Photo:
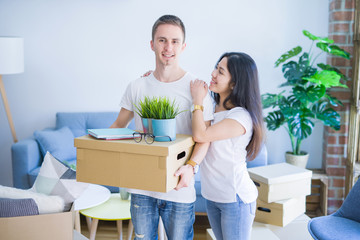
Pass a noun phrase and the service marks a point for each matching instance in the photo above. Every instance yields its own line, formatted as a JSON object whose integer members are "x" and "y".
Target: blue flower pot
{"x": 147, "y": 125}
{"x": 164, "y": 130}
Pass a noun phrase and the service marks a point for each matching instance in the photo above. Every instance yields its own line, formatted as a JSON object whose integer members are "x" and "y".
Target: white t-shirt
{"x": 180, "y": 92}
{"x": 223, "y": 171}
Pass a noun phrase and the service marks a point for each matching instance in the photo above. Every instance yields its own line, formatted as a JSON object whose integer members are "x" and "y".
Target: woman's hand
{"x": 198, "y": 89}
{"x": 147, "y": 73}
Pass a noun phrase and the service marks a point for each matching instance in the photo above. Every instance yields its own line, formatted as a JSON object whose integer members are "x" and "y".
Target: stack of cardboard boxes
{"x": 282, "y": 192}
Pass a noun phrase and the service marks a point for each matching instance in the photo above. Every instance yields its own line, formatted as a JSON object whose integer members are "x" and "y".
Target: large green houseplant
{"x": 306, "y": 97}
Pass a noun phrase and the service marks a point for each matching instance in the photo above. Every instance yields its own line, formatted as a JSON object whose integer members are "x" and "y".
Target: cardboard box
{"x": 281, "y": 181}
{"x": 57, "y": 226}
{"x": 316, "y": 203}
{"x": 280, "y": 213}
{"x": 296, "y": 230}
{"x": 258, "y": 232}
{"x": 125, "y": 163}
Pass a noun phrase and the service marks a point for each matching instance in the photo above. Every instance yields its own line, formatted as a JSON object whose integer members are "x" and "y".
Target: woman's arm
{"x": 186, "y": 172}
{"x": 227, "y": 128}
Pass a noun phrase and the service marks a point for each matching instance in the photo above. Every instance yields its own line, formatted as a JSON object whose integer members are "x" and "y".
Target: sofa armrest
{"x": 25, "y": 156}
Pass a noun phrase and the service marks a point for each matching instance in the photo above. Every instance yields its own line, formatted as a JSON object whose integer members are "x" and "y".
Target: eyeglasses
{"x": 149, "y": 138}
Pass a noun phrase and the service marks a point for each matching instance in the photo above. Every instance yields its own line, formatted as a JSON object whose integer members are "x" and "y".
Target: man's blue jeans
{"x": 231, "y": 220}
{"x": 178, "y": 218}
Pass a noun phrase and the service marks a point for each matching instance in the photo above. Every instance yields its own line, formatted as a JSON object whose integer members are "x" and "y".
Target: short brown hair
{"x": 168, "y": 19}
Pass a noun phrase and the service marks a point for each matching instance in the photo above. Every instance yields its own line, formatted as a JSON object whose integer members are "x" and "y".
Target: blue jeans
{"x": 231, "y": 220}
{"x": 178, "y": 218}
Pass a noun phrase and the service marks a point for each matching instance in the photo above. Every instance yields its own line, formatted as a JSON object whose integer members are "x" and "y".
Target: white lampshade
{"x": 11, "y": 55}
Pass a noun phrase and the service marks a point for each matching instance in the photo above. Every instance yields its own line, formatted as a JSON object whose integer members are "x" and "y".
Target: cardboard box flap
{"x": 130, "y": 146}
{"x": 278, "y": 173}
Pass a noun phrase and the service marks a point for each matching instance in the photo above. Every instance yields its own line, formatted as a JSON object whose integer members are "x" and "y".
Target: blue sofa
{"x": 28, "y": 154}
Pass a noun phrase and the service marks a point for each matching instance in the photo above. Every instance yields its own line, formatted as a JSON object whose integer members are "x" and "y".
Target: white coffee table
{"x": 94, "y": 195}
{"x": 114, "y": 209}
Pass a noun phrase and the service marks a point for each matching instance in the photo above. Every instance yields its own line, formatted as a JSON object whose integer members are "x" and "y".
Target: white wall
{"x": 81, "y": 54}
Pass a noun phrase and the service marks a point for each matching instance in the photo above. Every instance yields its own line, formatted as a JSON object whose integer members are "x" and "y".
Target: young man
{"x": 176, "y": 207}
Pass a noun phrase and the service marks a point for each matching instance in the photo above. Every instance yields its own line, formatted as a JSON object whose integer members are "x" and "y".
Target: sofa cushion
{"x": 55, "y": 178}
{"x": 328, "y": 227}
{"x": 260, "y": 160}
{"x": 80, "y": 122}
{"x": 60, "y": 143}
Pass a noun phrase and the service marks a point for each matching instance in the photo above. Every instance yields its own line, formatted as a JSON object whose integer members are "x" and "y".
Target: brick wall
{"x": 341, "y": 28}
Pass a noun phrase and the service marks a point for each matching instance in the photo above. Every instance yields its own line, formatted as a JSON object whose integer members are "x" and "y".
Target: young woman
{"x": 235, "y": 135}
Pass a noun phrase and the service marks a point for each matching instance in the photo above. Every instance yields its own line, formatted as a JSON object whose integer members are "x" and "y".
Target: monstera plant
{"x": 306, "y": 98}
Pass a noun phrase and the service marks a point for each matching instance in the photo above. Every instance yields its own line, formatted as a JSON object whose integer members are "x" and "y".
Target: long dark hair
{"x": 246, "y": 94}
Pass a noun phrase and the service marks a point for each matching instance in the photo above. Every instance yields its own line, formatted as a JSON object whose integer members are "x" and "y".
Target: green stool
{"x": 114, "y": 209}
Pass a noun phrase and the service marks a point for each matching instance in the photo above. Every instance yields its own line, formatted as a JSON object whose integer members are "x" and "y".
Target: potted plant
{"x": 306, "y": 97}
{"x": 162, "y": 113}
{"x": 144, "y": 110}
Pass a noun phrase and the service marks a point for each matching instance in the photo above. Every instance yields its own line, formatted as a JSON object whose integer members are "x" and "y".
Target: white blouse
{"x": 223, "y": 171}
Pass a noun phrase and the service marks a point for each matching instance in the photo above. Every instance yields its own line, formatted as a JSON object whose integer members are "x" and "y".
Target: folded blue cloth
{"x": 18, "y": 207}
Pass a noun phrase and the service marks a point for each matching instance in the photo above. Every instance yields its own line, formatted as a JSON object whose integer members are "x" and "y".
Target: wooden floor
{"x": 107, "y": 229}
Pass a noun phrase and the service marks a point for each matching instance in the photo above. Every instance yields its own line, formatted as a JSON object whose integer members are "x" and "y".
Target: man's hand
{"x": 186, "y": 173}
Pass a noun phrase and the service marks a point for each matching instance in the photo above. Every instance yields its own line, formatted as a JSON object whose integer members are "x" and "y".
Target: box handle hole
{"x": 256, "y": 184}
{"x": 181, "y": 155}
{"x": 264, "y": 209}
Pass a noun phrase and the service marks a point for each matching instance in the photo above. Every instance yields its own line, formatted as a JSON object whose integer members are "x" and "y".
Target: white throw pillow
{"x": 55, "y": 178}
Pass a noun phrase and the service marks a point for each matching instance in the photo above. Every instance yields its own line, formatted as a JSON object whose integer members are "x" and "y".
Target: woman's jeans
{"x": 230, "y": 221}
{"x": 178, "y": 218}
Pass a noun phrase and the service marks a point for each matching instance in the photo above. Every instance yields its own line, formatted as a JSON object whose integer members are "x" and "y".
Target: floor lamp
{"x": 11, "y": 62}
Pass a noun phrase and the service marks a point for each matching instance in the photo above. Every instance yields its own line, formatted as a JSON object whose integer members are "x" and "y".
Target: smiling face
{"x": 168, "y": 44}
{"x": 221, "y": 79}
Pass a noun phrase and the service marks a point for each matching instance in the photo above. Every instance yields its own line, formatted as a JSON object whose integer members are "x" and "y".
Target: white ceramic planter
{"x": 297, "y": 160}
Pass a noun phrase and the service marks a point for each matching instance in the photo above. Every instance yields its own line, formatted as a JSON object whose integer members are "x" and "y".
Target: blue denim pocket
{"x": 251, "y": 206}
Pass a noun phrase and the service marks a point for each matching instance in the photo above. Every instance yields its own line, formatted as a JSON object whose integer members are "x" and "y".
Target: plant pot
{"x": 297, "y": 160}
{"x": 124, "y": 194}
{"x": 164, "y": 130}
{"x": 147, "y": 125}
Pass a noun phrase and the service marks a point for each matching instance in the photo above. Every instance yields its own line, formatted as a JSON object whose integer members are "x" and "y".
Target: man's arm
{"x": 123, "y": 119}
{"x": 186, "y": 172}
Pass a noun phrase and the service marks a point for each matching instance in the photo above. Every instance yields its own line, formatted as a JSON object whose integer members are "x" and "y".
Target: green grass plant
{"x": 157, "y": 108}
